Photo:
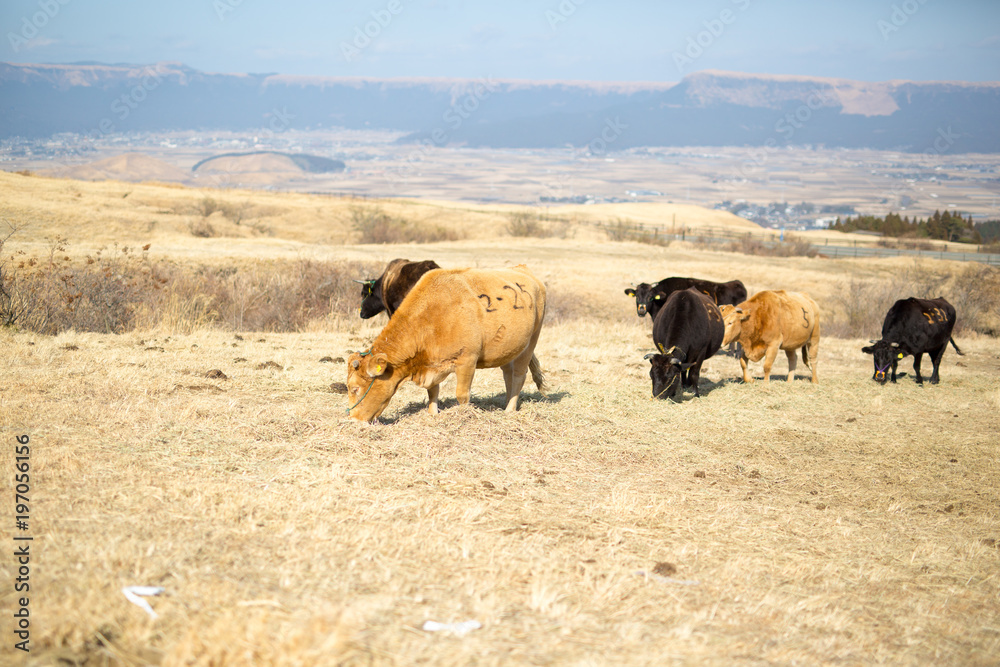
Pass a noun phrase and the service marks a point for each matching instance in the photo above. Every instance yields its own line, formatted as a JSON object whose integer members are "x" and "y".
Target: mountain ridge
{"x": 708, "y": 107}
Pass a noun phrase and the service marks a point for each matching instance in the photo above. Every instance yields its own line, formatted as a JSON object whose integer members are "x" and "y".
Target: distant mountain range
{"x": 704, "y": 109}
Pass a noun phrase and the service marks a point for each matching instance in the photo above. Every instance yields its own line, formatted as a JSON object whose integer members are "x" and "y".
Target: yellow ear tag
{"x": 660, "y": 345}
{"x": 899, "y": 356}
{"x": 378, "y": 369}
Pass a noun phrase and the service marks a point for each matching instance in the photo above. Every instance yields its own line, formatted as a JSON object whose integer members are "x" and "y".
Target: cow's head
{"x": 371, "y": 383}
{"x": 644, "y": 297}
{"x": 733, "y": 317}
{"x": 666, "y": 372}
{"x": 371, "y": 298}
{"x": 885, "y": 356}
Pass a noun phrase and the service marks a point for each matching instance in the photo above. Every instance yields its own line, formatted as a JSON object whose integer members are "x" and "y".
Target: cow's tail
{"x": 536, "y": 374}
{"x": 952, "y": 341}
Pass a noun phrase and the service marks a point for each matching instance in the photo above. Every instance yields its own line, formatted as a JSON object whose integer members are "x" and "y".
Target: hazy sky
{"x": 870, "y": 40}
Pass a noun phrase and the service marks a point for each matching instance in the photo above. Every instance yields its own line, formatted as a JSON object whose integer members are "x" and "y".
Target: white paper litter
{"x": 667, "y": 580}
{"x": 457, "y": 629}
{"x": 134, "y": 594}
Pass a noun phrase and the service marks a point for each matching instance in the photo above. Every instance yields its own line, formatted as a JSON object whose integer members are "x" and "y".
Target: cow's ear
{"x": 378, "y": 365}
{"x": 868, "y": 350}
{"x": 629, "y": 291}
{"x": 744, "y": 314}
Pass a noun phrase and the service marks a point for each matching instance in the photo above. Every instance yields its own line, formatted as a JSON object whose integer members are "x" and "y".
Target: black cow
{"x": 388, "y": 290}
{"x": 650, "y": 298}
{"x": 687, "y": 330}
{"x": 913, "y": 326}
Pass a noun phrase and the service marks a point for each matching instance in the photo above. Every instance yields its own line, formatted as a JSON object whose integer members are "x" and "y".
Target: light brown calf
{"x": 770, "y": 321}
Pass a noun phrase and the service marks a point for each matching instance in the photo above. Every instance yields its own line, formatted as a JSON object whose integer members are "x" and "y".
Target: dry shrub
{"x": 793, "y": 247}
{"x": 54, "y": 294}
{"x": 284, "y": 297}
{"x": 201, "y": 228}
{"x": 623, "y": 230}
{"x": 975, "y": 293}
{"x": 122, "y": 290}
{"x": 863, "y": 304}
{"x": 530, "y": 224}
{"x": 376, "y": 226}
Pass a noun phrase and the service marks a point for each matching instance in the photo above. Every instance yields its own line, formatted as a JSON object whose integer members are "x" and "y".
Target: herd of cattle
{"x": 492, "y": 318}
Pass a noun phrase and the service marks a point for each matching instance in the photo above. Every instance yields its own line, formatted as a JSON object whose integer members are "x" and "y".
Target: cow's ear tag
{"x": 657, "y": 297}
{"x": 378, "y": 369}
{"x": 660, "y": 345}
{"x": 899, "y": 356}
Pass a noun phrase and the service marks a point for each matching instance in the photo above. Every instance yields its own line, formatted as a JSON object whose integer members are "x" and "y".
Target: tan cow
{"x": 452, "y": 321}
{"x": 770, "y": 321}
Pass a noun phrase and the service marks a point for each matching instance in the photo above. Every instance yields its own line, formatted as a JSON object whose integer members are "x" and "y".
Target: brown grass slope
{"x": 760, "y": 524}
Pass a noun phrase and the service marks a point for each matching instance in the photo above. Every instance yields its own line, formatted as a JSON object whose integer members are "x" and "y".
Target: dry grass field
{"x": 768, "y": 523}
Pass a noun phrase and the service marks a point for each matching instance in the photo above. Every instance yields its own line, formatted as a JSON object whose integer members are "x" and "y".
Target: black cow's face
{"x": 666, "y": 373}
{"x": 644, "y": 296}
{"x": 885, "y": 355}
{"x": 371, "y": 301}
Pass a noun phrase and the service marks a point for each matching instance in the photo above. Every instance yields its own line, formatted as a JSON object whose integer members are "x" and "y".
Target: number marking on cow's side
{"x": 489, "y": 302}
{"x": 526, "y": 293}
{"x": 516, "y": 307}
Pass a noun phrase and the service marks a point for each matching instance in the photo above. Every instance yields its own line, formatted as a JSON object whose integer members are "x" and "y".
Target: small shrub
{"x": 524, "y": 223}
{"x": 863, "y": 305}
{"x": 623, "y": 230}
{"x": 793, "y": 247}
{"x": 376, "y": 226}
{"x": 619, "y": 230}
{"x": 975, "y": 293}
{"x": 207, "y": 206}
{"x": 531, "y": 224}
{"x": 201, "y": 228}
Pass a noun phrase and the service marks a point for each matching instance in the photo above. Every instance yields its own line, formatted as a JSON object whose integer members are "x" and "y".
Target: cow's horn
{"x": 363, "y": 282}
{"x": 651, "y": 354}
{"x": 894, "y": 344}
{"x": 872, "y": 341}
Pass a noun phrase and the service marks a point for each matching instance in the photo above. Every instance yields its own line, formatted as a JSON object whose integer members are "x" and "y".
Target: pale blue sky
{"x": 593, "y": 40}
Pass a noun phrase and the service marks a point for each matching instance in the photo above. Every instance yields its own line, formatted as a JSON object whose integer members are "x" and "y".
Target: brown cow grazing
{"x": 452, "y": 321}
{"x": 770, "y": 321}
